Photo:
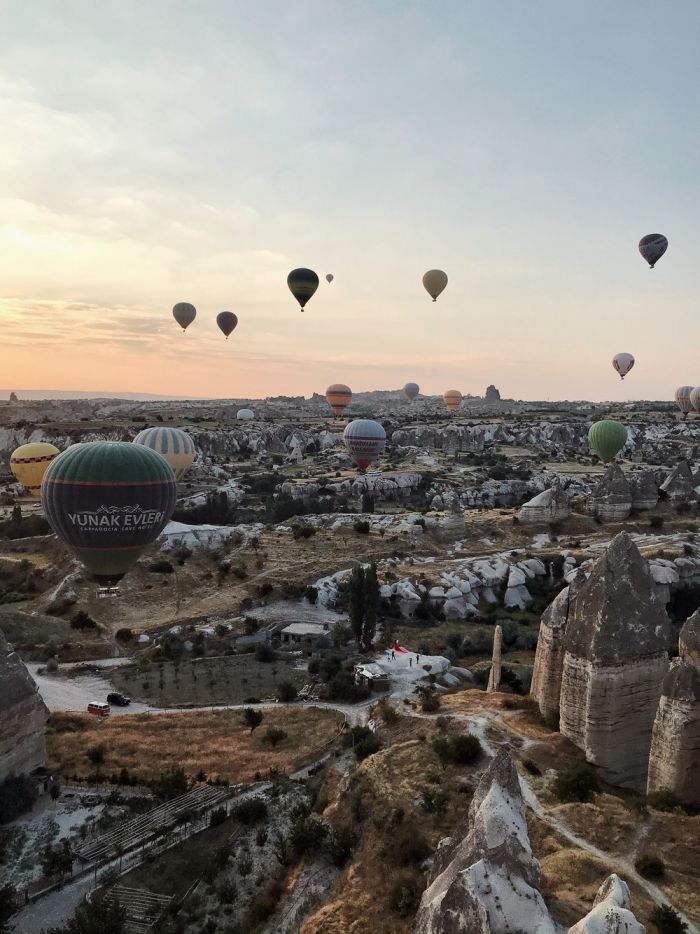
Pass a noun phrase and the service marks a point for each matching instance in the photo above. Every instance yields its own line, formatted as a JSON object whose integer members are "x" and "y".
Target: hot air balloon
{"x": 365, "y": 441}
{"x": 29, "y": 464}
{"x": 411, "y": 390}
{"x": 245, "y": 415}
{"x": 173, "y": 444}
{"x": 184, "y": 314}
{"x": 338, "y": 397}
{"x": 683, "y": 399}
{"x": 434, "y": 282}
{"x": 302, "y": 284}
{"x": 108, "y": 501}
{"x": 227, "y": 322}
{"x": 623, "y": 363}
{"x": 607, "y": 438}
{"x": 452, "y": 399}
{"x": 652, "y": 247}
{"x": 329, "y": 277}
{"x": 695, "y": 400}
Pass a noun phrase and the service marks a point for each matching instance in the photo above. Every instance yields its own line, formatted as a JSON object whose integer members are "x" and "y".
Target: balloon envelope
{"x": 411, "y": 390}
{"x": 607, "y": 438}
{"x": 108, "y": 501}
{"x": 227, "y": 322}
{"x": 652, "y": 247}
{"x": 184, "y": 314}
{"x": 173, "y": 444}
{"x": 338, "y": 397}
{"x": 434, "y": 282}
{"x": 329, "y": 277}
{"x": 302, "y": 284}
{"x": 695, "y": 400}
{"x": 682, "y": 397}
{"x": 452, "y": 399}
{"x": 245, "y": 415}
{"x": 29, "y": 464}
{"x": 365, "y": 440}
{"x": 623, "y": 363}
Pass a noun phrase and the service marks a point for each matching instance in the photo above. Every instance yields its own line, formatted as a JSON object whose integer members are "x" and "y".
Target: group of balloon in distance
{"x": 109, "y": 500}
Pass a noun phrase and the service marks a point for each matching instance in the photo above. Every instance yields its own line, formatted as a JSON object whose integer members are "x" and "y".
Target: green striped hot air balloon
{"x": 607, "y": 438}
{"x": 108, "y": 501}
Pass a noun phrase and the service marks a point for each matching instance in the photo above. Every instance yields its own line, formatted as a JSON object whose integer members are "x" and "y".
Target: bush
{"x": 124, "y": 635}
{"x": 82, "y": 620}
{"x": 342, "y": 687}
{"x": 466, "y": 749}
{"x": 366, "y": 747}
{"x": 656, "y": 522}
{"x": 405, "y": 895}
{"x": 264, "y": 905}
{"x": 302, "y": 530}
{"x": 96, "y": 754}
{"x": 667, "y": 921}
{"x": 361, "y": 526}
{"x": 264, "y": 652}
{"x": 250, "y": 810}
{"x": 311, "y": 593}
{"x": 274, "y": 735}
{"x": 286, "y": 692}
{"x": 217, "y": 816}
{"x": 307, "y": 835}
{"x": 408, "y": 846}
{"x": 434, "y": 800}
{"x": 430, "y": 701}
{"x": 314, "y": 666}
{"x": 252, "y": 718}
{"x": 577, "y": 782}
{"x": 650, "y": 866}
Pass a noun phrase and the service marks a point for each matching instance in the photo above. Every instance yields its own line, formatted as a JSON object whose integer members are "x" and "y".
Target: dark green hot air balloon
{"x": 108, "y": 501}
{"x": 302, "y": 284}
{"x": 607, "y": 438}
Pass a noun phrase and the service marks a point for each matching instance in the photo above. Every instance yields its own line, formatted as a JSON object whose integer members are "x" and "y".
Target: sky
{"x": 170, "y": 151}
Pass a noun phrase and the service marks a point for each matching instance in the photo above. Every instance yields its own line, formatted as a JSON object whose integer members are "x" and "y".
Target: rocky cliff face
{"x": 549, "y": 506}
{"x": 674, "y": 760}
{"x": 679, "y": 485}
{"x": 644, "y": 490}
{"x": 549, "y": 658}
{"x": 611, "y": 912}
{"x": 614, "y": 662}
{"x": 484, "y": 879}
{"x": 23, "y": 716}
{"x": 611, "y": 498}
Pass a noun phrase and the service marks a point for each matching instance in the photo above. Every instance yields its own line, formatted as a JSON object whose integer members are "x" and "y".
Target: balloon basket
{"x": 106, "y": 593}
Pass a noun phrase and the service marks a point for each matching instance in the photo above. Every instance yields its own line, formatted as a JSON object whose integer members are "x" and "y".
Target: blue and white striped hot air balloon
{"x": 173, "y": 444}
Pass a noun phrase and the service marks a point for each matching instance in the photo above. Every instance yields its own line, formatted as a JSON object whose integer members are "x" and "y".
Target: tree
{"x": 667, "y": 921}
{"x": 98, "y": 916}
{"x": 8, "y": 904}
{"x": 371, "y": 602}
{"x": 577, "y": 782}
{"x": 56, "y": 860}
{"x": 55, "y": 791}
{"x": 443, "y": 750}
{"x": 253, "y": 718}
{"x": 356, "y": 597}
{"x": 274, "y": 735}
{"x": 286, "y": 692}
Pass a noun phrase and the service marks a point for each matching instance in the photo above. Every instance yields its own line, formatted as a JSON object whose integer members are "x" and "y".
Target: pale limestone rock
{"x": 549, "y": 506}
{"x": 23, "y": 716}
{"x": 495, "y": 672}
{"x": 689, "y": 640}
{"x": 614, "y": 662}
{"x": 679, "y": 485}
{"x": 549, "y": 658}
{"x": 611, "y": 498}
{"x": 518, "y": 597}
{"x": 484, "y": 878}
{"x": 674, "y": 760}
{"x": 645, "y": 493}
{"x": 611, "y": 912}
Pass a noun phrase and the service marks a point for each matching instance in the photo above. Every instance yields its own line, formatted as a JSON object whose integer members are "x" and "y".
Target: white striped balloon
{"x": 682, "y": 397}
{"x": 173, "y": 444}
{"x": 623, "y": 363}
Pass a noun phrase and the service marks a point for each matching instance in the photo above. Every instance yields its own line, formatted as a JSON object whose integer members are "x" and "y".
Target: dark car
{"x": 119, "y": 700}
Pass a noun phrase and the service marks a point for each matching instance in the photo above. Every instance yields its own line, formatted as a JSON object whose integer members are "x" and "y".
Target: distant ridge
{"x": 48, "y": 394}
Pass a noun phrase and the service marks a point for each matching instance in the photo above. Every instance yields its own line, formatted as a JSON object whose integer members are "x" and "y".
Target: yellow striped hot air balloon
{"x": 452, "y": 399}
{"x": 29, "y": 462}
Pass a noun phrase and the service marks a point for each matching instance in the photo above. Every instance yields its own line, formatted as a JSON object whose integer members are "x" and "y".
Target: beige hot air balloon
{"x": 29, "y": 464}
{"x": 452, "y": 399}
{"x": 434, "y": 282}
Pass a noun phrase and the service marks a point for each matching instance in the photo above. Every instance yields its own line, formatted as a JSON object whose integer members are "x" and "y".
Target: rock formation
{"x": 23, "y": 716}
{"x": 484, "y": 878}
{"x": 611, "y": 498}
{"x": 679, "y": 486}
{"x": 13, "y": 397}
{"x": 611, "y": 912}
{"x": 549, "y": 658}
{"x": 614, "y": 662}
{"x": 495, "y": 672}
{"x": 645, "y": 493}
{"x": 549, "y": 506}
{"x": 674, "y": 760}
{"x": 492, "y": 396}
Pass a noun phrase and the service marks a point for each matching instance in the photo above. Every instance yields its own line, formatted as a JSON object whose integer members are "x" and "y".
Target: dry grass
{"x": 216, "y": 742}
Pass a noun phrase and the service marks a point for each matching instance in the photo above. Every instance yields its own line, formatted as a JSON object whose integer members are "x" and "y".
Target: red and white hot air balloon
{"x": 365, "y": 440}
{"x": 682, "y": 397}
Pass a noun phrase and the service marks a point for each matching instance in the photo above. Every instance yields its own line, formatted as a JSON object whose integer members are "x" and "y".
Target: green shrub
{"x": 361, "y": 526}
{"x": 405, "y": 895}
{"x": 286, "y": 692}
{"x": 577, "y": 782}
{"x": 650, "y": 866}
{"x": 667, "y": 921}
{"x": 466, "y": 749}
{"x": 274, "y": 735}
{"x": 302, "y": 530}
{"x": 250, "y": 810}
{"x": 430, "y": 701}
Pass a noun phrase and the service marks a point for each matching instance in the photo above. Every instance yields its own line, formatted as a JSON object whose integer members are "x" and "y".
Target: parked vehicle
{"x": 99, "y": 709}
{"x": 118, "y": 700}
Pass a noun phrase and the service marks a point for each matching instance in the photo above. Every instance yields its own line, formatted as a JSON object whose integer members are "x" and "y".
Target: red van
{"x": 99, "y": 709}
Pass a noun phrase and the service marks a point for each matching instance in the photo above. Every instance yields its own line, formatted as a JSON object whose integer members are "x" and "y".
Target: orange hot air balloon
{"x": 338, "y": 397}
{"x": 452, "y": 399}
